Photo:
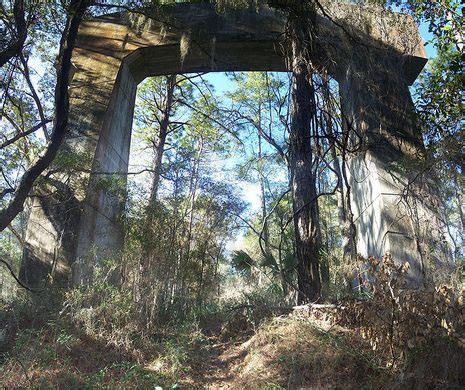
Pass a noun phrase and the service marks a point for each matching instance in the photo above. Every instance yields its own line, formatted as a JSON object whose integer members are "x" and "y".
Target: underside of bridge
{"x": 373, "y": 55}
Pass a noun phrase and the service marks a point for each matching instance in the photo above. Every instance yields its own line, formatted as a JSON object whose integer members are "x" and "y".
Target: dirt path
{"x": 218, "y": 369}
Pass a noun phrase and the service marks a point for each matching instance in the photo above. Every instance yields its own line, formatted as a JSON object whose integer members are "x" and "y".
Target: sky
{"x": 427, "y": 36}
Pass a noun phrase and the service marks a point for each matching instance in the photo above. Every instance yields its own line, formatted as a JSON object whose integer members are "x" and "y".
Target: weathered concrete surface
{"x": 100, "y": 233}
{"x": 50, "y": 235}
{"x": 115, "y": 52}
{"x": 396, "y": 209}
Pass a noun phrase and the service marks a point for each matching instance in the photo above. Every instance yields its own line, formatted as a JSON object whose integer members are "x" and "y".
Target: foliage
{"x": 396, "y": 319}
{"x": 179, "y": 241}
{"x": 98, "y": 340}
{"x": 244, "y": 314}
{"x": 444, "y": 19}
{"x": 59, "y": 355}
{"x": 439, "y": 101}
{"x": 103, "y": 311}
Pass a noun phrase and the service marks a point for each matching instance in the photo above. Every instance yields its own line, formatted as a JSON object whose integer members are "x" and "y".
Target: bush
{"x": 396, "y": 320}
{"x": 102, "y": 310}
{"x": 244, "y": 315}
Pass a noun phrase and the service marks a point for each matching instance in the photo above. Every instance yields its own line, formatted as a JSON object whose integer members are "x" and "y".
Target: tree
{"x": 182, "y": 231}
{"x": 439, "y": 102}
{"x": 337, "y": 132}
{"x": 301, "y": 36}
{"x": 440, "y": 109}
{"x": 76, "y": 10}
{"x": 258, "y": 106}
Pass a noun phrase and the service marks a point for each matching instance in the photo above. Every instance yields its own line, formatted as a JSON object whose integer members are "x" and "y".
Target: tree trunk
{"x": 185, "y": 256}
{"x": 160, "y": 140}
{"x": 19, "y": 38}
{"x": 302, "y": 177}
{"x": 159, "y": 147}
{"x": 261, "y": 174}
{"x": 193, "y": 192}
{"x": 282, "y": 271}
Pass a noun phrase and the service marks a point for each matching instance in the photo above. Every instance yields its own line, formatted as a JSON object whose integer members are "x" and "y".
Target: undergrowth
{"x": 291, "y": 352}
{"x": 93, "y": 338}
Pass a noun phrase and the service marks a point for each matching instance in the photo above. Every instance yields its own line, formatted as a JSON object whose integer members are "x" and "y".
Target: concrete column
{"x": 101, "y": 226}
{"x": 55, "y": 207}
{"x": 396, "y": 207}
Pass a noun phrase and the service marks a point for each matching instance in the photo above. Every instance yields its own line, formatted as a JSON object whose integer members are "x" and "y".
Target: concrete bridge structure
{"x": 373, "y": 54}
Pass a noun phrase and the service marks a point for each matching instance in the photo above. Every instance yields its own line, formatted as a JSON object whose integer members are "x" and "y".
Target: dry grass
{"x": 293, "y": 352}
{"x": 60, "y": 356}
{"x": 286, "y": 352}
{"x": 302, "y": 350}
{"x": 296, "y": 352}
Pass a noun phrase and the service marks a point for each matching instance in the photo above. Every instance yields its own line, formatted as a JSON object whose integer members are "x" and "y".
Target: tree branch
{"x": 16, "y": 46}
{"x": 68, "y": 40}
{"x": 15, "y": 277}
{"x": 24, "y": 134}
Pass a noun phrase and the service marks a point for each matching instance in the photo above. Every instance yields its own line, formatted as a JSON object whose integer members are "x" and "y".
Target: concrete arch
{"x": 374, "y": 56}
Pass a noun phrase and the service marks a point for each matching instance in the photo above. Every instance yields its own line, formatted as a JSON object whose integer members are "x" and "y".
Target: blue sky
{"x": 427, "y": 36}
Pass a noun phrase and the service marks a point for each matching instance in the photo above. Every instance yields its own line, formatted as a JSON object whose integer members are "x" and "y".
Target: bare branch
{"x": 40, "y": 108}
{"x": 23, "y": 134}
{"x": 15, "y": 277}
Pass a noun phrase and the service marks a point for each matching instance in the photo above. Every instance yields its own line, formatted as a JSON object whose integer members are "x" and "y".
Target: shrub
{"x": 396, "y": 319}
{"x": 103, "y": 310}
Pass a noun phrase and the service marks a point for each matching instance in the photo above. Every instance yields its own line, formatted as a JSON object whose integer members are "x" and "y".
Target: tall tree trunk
{"x": 302, "y": 176}
{"x": 160, "y": 140}
{"x": 201, "y": 278}
{"x": 193, "y": 193}
{"x": 184, "y": 259}
{"x": 159, "y": 147}
{"x": 18, "y": 39}
{"x": 282, "y": 271}
{"x": 217, "y": 263}
{"x": 261, "y": 174}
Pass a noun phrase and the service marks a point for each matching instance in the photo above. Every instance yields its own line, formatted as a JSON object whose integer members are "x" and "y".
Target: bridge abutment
{"x": 112, "y": 57}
